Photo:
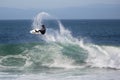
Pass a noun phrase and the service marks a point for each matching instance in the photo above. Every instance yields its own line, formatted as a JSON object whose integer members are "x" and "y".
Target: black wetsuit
{"x": 43, "y": 30}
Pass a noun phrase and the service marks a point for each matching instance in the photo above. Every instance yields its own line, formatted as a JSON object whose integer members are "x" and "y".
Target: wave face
{"x": 58, "y": 49}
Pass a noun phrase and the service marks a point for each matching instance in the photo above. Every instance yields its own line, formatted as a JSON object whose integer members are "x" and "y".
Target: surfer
{"x": 42, "y": 30}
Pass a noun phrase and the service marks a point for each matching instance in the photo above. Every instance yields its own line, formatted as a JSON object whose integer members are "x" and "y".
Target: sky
{"x": 50, "y": 4}
{"x": 60, "y": 8}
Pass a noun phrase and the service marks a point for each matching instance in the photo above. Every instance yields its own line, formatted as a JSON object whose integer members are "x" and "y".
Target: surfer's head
{"x": 43, "y": 26}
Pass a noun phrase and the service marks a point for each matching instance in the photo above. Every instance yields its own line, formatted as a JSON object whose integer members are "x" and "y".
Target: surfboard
{"x": 34, "y": 31}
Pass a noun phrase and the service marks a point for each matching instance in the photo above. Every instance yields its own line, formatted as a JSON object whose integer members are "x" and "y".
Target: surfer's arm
{"x": 35, "y": 30}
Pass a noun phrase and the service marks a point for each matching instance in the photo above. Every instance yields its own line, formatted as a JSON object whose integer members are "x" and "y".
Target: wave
{"x": 61, "y": 50}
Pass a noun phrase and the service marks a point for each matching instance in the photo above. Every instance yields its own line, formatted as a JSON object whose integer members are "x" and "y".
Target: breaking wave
{"x": 59, "y": 50}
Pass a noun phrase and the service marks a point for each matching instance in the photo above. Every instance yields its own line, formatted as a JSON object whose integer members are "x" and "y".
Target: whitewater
{"x": 97, "y": 56}
{"x": 59, "y": 56}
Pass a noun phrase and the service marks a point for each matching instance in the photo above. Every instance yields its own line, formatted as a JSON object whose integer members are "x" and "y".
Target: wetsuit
{"x": 43, "y": 30}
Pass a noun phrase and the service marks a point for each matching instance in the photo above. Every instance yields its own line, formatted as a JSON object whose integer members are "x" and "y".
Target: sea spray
{"x": 97, "y": 55}
{"x": 56, "y": 36}
{"x": 64, "y": 50}
{"x": 38, "y": 20}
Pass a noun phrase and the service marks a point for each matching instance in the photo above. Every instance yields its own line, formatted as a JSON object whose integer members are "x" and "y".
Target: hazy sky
{"x": 50, "y": 4}
{"x": 68, "y": 9}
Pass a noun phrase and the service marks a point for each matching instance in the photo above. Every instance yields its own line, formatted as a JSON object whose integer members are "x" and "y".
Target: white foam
{"x": 102, "y": 56}
{"x": 98, "y": 56}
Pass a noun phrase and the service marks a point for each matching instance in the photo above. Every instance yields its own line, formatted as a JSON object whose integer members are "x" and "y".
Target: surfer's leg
{"x": 42, "y": 31}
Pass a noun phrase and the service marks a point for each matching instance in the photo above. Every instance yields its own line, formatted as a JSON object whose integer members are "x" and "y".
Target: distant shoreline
{"x": 52, "y": 19}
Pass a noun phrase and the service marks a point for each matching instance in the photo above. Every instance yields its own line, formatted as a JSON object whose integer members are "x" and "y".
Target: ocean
{"x": 70, "y": 49}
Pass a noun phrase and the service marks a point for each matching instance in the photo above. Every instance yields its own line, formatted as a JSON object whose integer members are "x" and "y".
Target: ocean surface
{"x": 70, "y": 49}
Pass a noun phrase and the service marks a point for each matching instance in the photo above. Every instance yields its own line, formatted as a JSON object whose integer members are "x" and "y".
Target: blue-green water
{"x": 71, "y": 49}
